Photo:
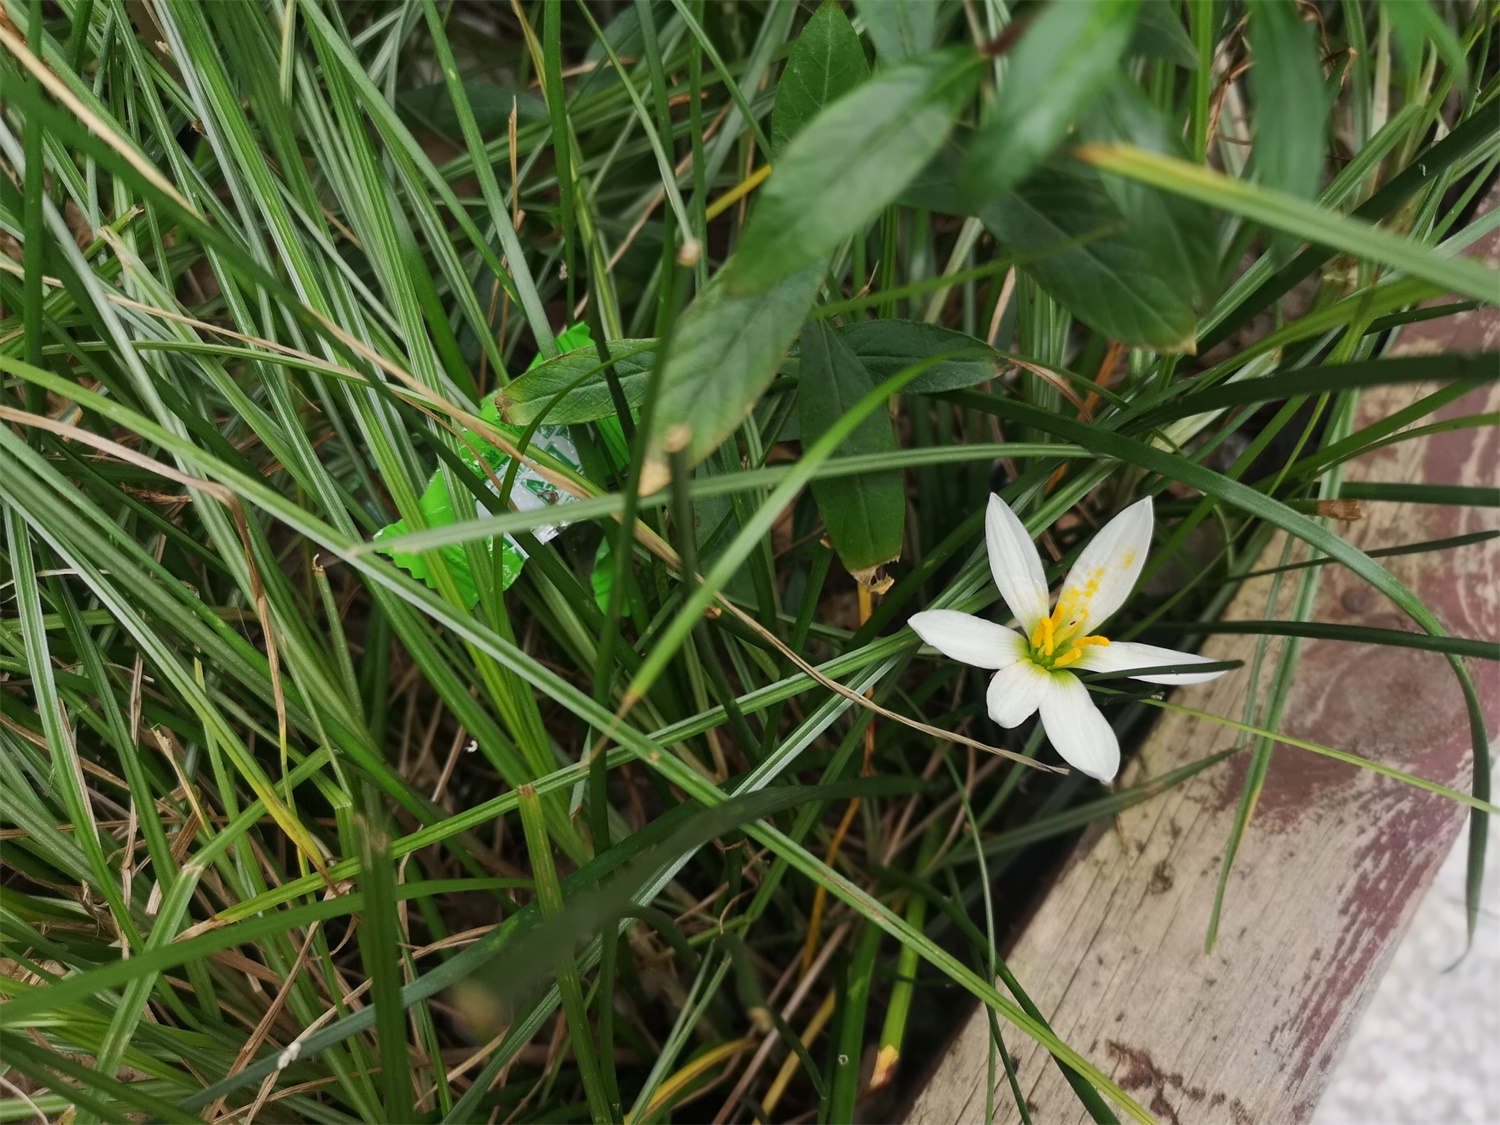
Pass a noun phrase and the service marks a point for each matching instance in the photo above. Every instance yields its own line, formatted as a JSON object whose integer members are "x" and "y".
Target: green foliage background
{"x": 384, "y": 850}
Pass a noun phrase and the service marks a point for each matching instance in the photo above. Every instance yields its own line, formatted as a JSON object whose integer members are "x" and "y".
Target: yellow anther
{"x": 1061, "y": 624}
{"x": 1048, "y": 639}
{"x": 1054, "y": 634}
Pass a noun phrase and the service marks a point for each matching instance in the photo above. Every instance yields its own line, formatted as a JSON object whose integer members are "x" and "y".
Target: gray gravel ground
{"x": 1427, "y": 1049}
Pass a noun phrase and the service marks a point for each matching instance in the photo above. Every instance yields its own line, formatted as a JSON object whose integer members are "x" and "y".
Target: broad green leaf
{"x": 1066, "y": 57}
{"x": 1287, "y": 84}
{"x": 884, "y": 347}
{"x": 1110, "y": 279}
{"x": 1181, "y": 237}
{"x": 725, "y": 349}
{"x": 1159, "y": 34}
{"x": 848, "y": 163}
{"x": 865, "y": 514}
{"x": 899, "y": 28}
{"x": 578, "y": 378}
{"x": 1299, "y": 217}
{"x": 825, "y": 63}
{"x": 935, "y": 187}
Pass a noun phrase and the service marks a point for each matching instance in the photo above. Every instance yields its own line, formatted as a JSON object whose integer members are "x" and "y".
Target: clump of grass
{"x": 676, "y": 822}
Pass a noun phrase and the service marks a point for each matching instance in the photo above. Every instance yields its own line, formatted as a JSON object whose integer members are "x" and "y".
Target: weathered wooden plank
{"x": 1335, "y": 861}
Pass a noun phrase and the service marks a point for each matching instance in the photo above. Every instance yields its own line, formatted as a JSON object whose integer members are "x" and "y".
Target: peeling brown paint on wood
{"x": 1334, "y": 863}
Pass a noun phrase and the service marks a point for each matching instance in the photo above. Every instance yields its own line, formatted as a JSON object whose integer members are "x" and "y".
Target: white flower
{"x": 1030, "y": 668}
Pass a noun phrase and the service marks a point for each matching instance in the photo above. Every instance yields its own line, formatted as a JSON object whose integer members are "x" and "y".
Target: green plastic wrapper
{"x": 529, "y": 493}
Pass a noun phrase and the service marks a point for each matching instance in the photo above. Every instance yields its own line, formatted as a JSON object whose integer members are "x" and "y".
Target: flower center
{"x": 1055, "y": 642}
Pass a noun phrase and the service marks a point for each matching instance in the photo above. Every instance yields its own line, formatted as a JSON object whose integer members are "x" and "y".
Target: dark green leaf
{"x": 724, "y": 351}
{"x": 865, "y": 514}
{"x": 1471, "y": 370}
{"x": 825, "y": 63}
{"x": 1065, "y": 58}
{"x": 1181, "y": 237}
{"x": 1425, "y": 312}
{"x": 1444, "y": 544}
{"x": 1109, "y": 280}
{"x": 849, "y": 163}
{"x": 1406, "y": 492}
{"x": 935, "y": 187}
{"x": 1280, "y": 211}
{"x": 1135, "y": 278}
{"x": 885, "y": 347}
{"x": 1159, "y": 34}
{"x": 899, "y": 28}
{"x": 1474, "y": 647}
{"x": 578, "y": 376}
{"x": 1287, "y": 84}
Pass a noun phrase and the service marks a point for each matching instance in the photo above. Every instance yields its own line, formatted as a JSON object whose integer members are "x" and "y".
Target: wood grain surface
{"x": 1334, "y": 863}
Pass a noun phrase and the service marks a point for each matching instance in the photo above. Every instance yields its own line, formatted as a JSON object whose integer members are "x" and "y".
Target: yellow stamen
{"x": 1045, "y": 638}
{"x": 1074, "y": 651}
{"x": 1065, "y": 617}
{"x": 1054, "y": 641}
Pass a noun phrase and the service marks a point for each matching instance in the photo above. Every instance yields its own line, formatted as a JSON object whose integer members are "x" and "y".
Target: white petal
{"x": 1016, "y": 566}
{"x": 1077, "y": 730}
{"x": 1122, "y": 656}
{"x": 972, "y": 640}
{"x": 1106, "y": 570}
{"x": 1015, "y": 692}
